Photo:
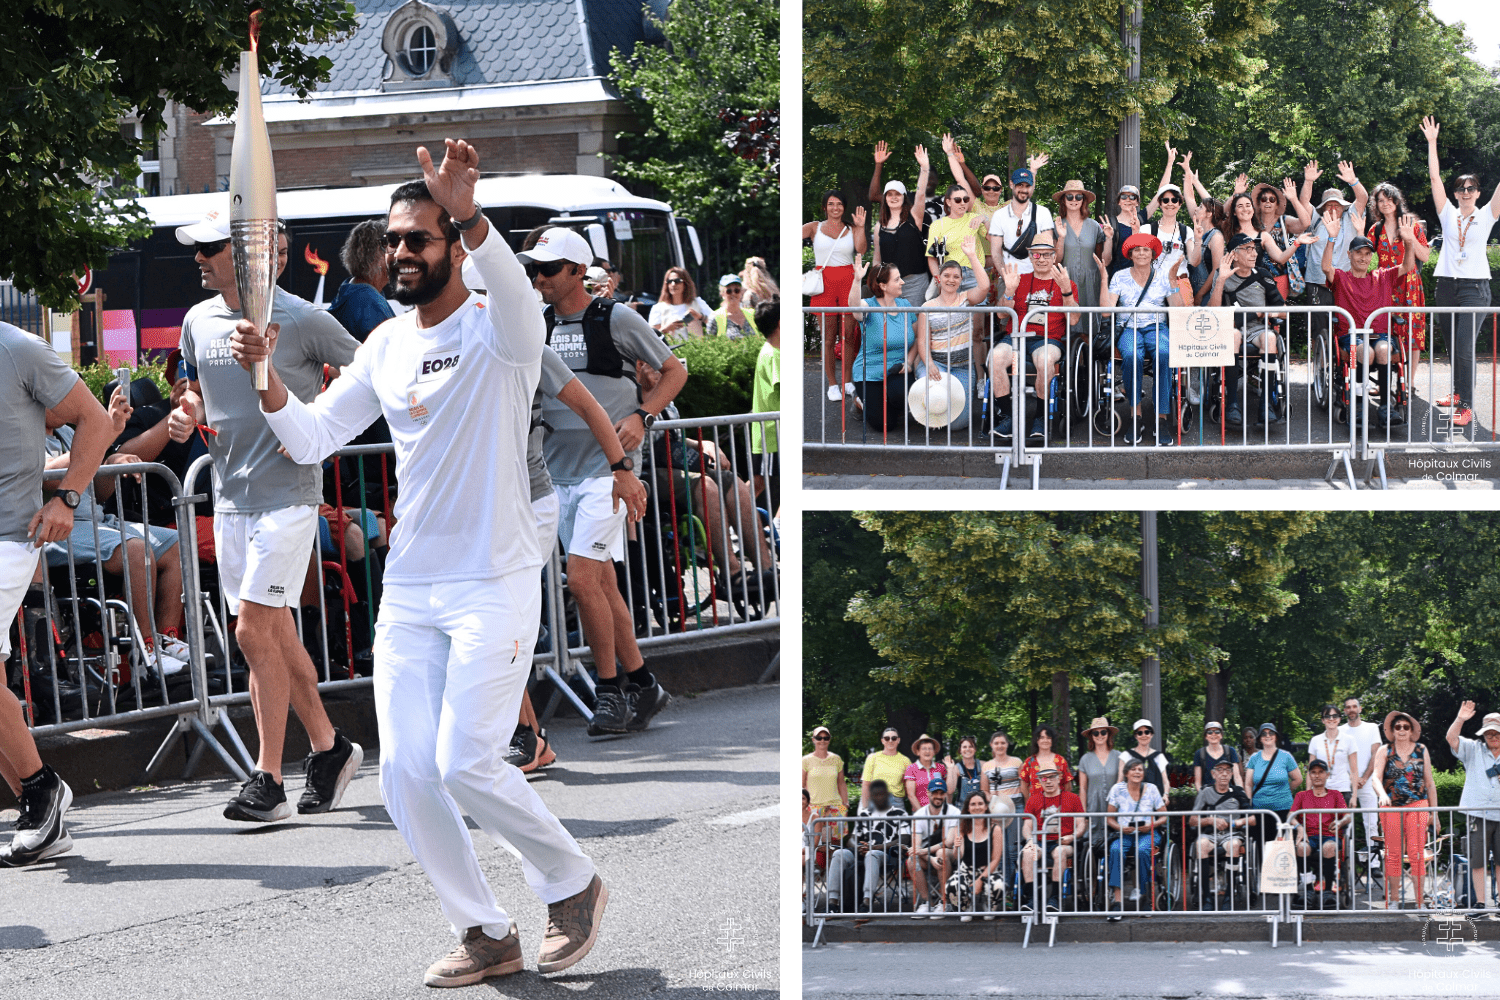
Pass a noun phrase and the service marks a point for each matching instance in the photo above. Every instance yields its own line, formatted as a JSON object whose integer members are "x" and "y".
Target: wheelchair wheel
{"x": 1171, "y": 886}
{"x": 1078, "y": 384}
{"x": 1322, "y": 371}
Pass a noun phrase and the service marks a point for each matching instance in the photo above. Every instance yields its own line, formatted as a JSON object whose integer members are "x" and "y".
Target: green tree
{"x": 70, "y": 69}
{"x": 720, "y": 55}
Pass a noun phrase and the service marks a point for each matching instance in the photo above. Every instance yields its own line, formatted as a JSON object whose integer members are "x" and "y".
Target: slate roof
{"x": 500, "y": 42}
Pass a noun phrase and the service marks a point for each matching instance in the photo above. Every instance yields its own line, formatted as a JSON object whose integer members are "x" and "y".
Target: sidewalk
{"x": 812, "y": 481}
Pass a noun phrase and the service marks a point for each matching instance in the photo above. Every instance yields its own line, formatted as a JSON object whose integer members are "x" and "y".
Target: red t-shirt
{"x": 1034, "y": 292}
{"x": 1319, "y": 824}
{"x": 1067, "y": 802}
{"x": 1362, "y": 296}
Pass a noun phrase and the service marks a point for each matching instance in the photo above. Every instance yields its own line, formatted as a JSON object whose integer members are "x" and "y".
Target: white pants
{"x": 1367, "y": 799}
{"x": 451, "y": 662}
{"x": 547, "y": 510}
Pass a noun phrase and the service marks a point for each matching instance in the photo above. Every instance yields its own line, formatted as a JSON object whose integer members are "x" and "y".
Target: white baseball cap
{"x": 213, "y": 227}
{"x": 559, "y": 243}
{"x": 895, "y": 186}
{"x": 596, "y": 275}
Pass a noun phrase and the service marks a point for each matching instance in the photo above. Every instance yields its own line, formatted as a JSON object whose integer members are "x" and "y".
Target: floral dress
{"x": 1408, "y": 289}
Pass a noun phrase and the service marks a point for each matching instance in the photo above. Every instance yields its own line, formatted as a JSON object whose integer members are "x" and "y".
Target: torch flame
{"x": 319, "y": 264}
{"x": 255, "y": 31}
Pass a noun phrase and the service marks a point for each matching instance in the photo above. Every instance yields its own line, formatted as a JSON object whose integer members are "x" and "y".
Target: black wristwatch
{"x": 470, "y": 222}
{"x": 646, "y": 418}
{"x": 623, "y": 465}
{"x": 70, "y": 498}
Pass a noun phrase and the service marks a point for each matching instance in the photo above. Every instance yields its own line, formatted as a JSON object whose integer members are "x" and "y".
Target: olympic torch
{"x": 252, "y": 201}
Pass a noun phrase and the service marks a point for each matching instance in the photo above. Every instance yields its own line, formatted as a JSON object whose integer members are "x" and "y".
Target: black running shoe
{"x": 648, "y": 701}
{"x": 40, "y": 825}
{"x": 522, "y": 747}
{"x": 613, "y": 710}
{"x": 328, "y": 774}
{"x": 261, "y": 800}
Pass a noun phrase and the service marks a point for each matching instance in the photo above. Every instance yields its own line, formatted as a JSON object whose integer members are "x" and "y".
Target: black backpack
{"x": 604, "y": 358}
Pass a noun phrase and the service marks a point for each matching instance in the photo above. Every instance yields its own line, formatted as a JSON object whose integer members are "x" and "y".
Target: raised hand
{"x": 1331, "y": 221}
{"x": 452, "y": 183}
{"x": 1187, "y": 160}
{"x": 1011, "y": 275}
{"x": 947, "y": 144}
{"x": 967, "y": 246}
{"x": 1407, "y": 227}
{"x": 181, "y": 421}
{"x": 859, "y": 216}
{"x": 1307, "y": 239}
{"x": 1226, "y": 264}
{"x": 860, "y": 267}
{"x": 1242, "y": 183}
{"x": 120, "y": 408}
{"x": 1103, "y": 268}
{"x": 1466, "y": 711}
{"x": 1347, "y": 174}
{"x": 1430, "y": 128}
{"x": 958, "y": 152}
{"x": 1064, "y": 282}
{"x": 882, "y": 152}
{"x": 921, "y": 154}
{"x": 1289, "y": 189}
{"x": 1171, "y": 151}
{"x": 1311, "y": 171}
{"x": 1037, "y": 162}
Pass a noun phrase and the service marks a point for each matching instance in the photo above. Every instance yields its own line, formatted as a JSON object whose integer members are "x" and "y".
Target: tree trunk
{"x": 1216, "y": 698}
{"x": 910, "y": 722}
{"x": 1031, "y": 713}
{"x": 1112, "y": 159}
{"x": 1060, "y": 715}
{"x": 1017, "y": 151}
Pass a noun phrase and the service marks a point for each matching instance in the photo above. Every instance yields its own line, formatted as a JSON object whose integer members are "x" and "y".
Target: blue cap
{"x": 1022, "y": 176}
{"x": 937, "y": 785}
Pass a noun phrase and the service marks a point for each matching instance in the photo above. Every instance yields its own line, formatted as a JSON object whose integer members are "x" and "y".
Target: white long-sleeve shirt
{"x": 458, "y": 398}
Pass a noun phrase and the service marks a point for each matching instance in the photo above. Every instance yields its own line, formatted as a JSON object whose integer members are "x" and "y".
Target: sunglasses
{"x": 1330, "y": 715}
{"x": 960, "y": 201}
{"x": 1130, "y": 197}
{"x": 674, "y": 281}
{"x": 733, "y": 290}
{"x": 549, "y": 269}
{"x": 820, "y": 739}
{"x": 416, "y": 241}
{"x": 1072, "y": 197}
{"x": 212, "y": 249}
{"x": 889, "y": 739}
{"x": 1171, "y": 201}
{"x": 1268, "y": 198}
{"x": 992, "y": 187}
{"x": 1468, "y": 189}
{"x": 1400, "y": 726}
{"x": 1144, "y": 732}
{"x": 1040, "y": 252}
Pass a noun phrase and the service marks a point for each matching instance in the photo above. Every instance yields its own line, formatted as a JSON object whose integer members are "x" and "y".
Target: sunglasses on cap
{"x": 212, "y": 249}
{"x": 547, "y": 269}
{"x": 992, "y": 187}
{"x": 416, "y": 241}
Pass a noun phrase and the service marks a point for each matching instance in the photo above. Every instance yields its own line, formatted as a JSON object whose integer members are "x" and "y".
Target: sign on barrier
{"x": 1201, "y": 337}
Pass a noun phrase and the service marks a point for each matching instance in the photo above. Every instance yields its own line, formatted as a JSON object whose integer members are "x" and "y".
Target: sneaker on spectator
{"x": 1002, "y": 429}
{"x": 162, "y": 662}
{"x": 834, "y": 396}
{"x": 966, "y": 918}
{"x": 572, "y": 926}
{"x": 260, "y": 800}
{"x": 522, "y": 752}
{"x": 938, "y": 911}
{"x": 646, "y": 700}
{"x": 174, "y": 647}
{"x": 328, "y": 774}
{"x": 40, "y": 828}
{"x": 1463, "y": 416}
{"x": 1038, "y": 430}
{"x": 920, "y": 911}
{"x": 613, "y": 710}
{"x": 1116, "y": 911}
{"x": 477, "y": 957}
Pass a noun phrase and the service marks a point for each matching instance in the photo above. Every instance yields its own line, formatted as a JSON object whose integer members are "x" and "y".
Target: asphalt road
{"x": 1338, "y": 483}
{"x": 1141, "y": 970}
{"x": 163, "y": 898}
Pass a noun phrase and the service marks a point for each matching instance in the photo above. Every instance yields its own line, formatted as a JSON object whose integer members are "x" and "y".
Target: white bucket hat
{"x": 1491, "y": 724}
{"x": 936, "y": 404}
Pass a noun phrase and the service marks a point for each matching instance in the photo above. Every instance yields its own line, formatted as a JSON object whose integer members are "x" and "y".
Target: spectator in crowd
{"x": 1082, "y": 238}
{"x": 759, "y": 285}
{"x": 1219, "y": 834}
{"x": 146, "y": 436}
{"x": 823, "y": 774}
{"x": 899, "y": 241}
{"x": 1278, "y": 230}
{"x": 927, "y": 204}
{"x": 1360, "y": 292}
{"x": 1248, "y": 742}
{"x": 1343, "y": 228}
{"x": 927, "y": 854}
{"x": 1098, "y": 770}
{"x": 1179, "y": 242}
{"x": 879, "y": 840}
{"x": 1001, "y": 785}
{"x": 923, "y": 771}
{"x": 975, "y": 884}
{"x": 836, "y": 244}
{"x": 765, "y": 397}
{"x": 1390, "y": 251}
{"x": 887, "y": 765}
{"x": 679, "y": 313}
{"x": 1016, "y": 224}
{"x": 1125, "y": 223}
{"x": 1156, "y": 773}
{"x": 1272, "y": 776}
{"x": 1338, "y": 750}
{"x": 1145, "y": 284}
{"x": 360, "y": 305}
{"x": 1480, "y": 801}
{"x": 1213, "y": 750}
{"x": 954, "y": 239}
{"x": 1207, "y": 220}
{"x": 1044, "y": 755}
{"x": 1136, "y": 809}
{"x": 1049, "y": 838}
{"x": 1238, "y": 282}
{"x": 1318, "y": 831}
{"x": 1045, "y": 285}
{"x": 1463, "y": 269}
{"x": 985, "y": 203}
{"x": 964, "y": 774}
{"x": 99, "y": 537}
{"x": 731, "y": 319}
{"x": 887, "y": 347}
{"x": 946, "y": 342}
{"x": 1402, "y": 776}
{"x": 1364, "y": 737}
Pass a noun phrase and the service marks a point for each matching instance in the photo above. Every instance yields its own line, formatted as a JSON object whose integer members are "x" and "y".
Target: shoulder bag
{"x": 812, "y": 281}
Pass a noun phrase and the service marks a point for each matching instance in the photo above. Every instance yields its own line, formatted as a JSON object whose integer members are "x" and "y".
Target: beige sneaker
{"x": 572, "y": 926}
{"x": 478, "y": 957}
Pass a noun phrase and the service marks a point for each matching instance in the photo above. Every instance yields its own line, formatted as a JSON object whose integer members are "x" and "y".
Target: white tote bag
{"x": 812, "y": 281}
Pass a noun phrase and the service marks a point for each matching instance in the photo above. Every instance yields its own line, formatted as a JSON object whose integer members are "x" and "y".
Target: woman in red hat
{"x": 1144, "y": 285}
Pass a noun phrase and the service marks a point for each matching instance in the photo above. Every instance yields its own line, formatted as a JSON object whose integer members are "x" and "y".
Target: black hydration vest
{"x": 603, "y": 357}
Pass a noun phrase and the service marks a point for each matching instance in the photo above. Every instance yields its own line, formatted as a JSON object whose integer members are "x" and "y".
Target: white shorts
{"x": 546, "y": 510}
{"x": 589, "y": 527}
{"x": 264, "y": 557}
{"x": 17, "y": 567}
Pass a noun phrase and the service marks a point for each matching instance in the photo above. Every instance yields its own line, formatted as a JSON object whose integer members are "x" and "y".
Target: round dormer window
{"x": 421, "y": 50}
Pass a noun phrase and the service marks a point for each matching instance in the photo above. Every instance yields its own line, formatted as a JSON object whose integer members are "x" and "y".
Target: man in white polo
{"x": 1364, "y": 737}
{"x": 600, "y": 341}
{"x": 265, "y": 518}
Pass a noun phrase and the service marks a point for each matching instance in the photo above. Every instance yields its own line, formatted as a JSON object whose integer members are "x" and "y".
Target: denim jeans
{"x": 1142, "y": 845}
{"x": 1135, "y": 344}
{"x": 965, "y": 379}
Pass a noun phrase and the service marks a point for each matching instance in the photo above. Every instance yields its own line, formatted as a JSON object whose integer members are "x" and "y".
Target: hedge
{"x": 721, "y": 375}
{"x": 99, "y": 374}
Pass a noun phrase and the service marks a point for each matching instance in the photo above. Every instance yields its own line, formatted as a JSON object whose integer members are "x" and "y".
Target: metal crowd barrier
{"x": 673, "y": 581}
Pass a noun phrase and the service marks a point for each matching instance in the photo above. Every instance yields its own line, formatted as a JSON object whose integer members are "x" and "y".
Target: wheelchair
{"x": 1231, "y": 882}
{"x": 1263, "y": 374}
{"x": 1069, "y": 394}
{"x": 1108, "y": 403}
{"x": 1335, "y": 383}
{"x": 1155, "y": 893}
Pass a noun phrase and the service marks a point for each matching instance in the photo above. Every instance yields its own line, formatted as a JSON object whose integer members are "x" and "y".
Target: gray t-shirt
{"x": 32, "y": 380}
{"x": 555, "y": 378}
{"x": 572, "y": 453}
{"x": 1249, "y": 294}
{"x": 60, "y": 442}
{"x": 250, "y": 477}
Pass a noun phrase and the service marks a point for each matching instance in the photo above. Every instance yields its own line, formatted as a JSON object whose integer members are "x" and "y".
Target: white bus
{"x": 149, "y": 287}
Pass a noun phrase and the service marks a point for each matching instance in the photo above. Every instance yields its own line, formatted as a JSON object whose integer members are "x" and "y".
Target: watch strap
{"x": 646, "y": 418}
{"x": 471, "y": 221}
{"x": 623, "y": 465}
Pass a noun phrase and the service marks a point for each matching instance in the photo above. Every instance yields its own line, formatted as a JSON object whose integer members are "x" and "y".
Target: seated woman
{"x": 887, "y": 347}
{"x": 105, "y": 539}
{"x": 1145, "y": 285}
{"x": 1136, "y": 811}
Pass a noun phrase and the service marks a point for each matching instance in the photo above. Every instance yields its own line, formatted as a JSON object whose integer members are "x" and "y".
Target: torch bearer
{"x": 252, "y": 201}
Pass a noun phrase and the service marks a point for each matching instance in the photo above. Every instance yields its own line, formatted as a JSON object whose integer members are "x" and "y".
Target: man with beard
{"x": 265, "y": 517}
{"x": 454, "y": 378}
{"x": 600, "y": 341}
{"x": 1017, "y": 222}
